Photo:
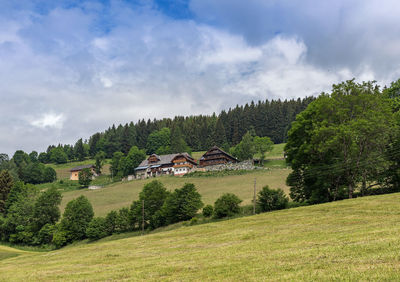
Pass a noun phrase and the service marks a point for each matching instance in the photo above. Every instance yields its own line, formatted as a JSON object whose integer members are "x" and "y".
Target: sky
{"x": 69, "y": 69}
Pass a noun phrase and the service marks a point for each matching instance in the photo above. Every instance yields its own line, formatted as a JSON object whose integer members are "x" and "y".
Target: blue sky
{"x": 71, "y": 68}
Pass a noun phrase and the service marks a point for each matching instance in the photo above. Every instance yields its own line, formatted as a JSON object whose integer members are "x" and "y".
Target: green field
{"x": 7, "y": 252}
{"x": 121, "y": 194}
{"x": 350, "y": 240}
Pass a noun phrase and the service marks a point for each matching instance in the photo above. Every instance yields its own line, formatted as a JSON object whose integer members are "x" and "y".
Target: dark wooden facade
{"x": 183, "y": 163}
{"x": 216, "y": 156}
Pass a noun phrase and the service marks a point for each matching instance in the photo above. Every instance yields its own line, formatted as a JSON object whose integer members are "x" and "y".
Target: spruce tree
{"x": 219, "y": 134}
{"x": 79, "y": 150}
{"x": 6, "y": 182}
{"x": 178, "y": 144}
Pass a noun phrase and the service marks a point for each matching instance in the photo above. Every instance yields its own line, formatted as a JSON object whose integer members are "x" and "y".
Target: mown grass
{"x": 275, "y": 163}
{"x": 277, "y": 152}
{"x": 8, "y": 252}
{"x": 197, "y": 155}
{"x": 121, "y": 194}
{"x": 350, "y": 240}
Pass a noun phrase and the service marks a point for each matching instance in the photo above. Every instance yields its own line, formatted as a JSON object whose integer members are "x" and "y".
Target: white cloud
{"x": 51, "y": 120}
{"x": 142, "y": 64}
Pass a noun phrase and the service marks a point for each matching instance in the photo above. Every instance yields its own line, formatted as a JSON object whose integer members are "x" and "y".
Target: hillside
{"x": 349, "y": 240}
{"x": 121, "y": 194}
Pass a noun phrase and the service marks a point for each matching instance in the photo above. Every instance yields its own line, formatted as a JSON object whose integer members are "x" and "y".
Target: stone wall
{"x": 245, "y": 165}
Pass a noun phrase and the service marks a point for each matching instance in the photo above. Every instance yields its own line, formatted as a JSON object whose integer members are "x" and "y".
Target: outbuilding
{"x": 75, "y": 171}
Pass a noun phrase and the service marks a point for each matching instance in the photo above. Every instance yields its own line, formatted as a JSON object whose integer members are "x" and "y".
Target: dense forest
{"x": 271, "y": 119}
{"x": 268, "y": 118}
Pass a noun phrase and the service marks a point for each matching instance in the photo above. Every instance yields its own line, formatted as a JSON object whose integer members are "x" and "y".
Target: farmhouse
{"x": 75, "y": 171}
{"x": 183, "y": 163}
{"x": 216, "y": 156}
{"x": 156, "y": 165}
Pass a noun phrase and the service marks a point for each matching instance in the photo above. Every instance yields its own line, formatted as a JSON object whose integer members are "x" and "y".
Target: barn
{"x": 216, "y": 156}
{"x": 75, "y": 171}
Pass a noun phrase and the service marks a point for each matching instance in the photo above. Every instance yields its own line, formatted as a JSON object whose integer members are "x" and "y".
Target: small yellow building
{"x": 75, "y": 171}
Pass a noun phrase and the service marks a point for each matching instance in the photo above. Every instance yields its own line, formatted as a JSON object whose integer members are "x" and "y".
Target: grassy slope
{"x": 7, "y": 252}
{"x": 349, "y": 240}
{"x": 63, "y": 170}
{"x": 120, "y": 194}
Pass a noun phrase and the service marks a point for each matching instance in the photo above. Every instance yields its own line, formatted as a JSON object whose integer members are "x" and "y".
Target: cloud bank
{"x": 69, "y": 69}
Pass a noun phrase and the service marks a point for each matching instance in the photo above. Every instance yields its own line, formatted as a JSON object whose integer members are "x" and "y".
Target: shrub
{"x": 208, "y": 211}
{"x": 49, "y": 174}
{"x": 45, "y": 235}
{"x": 123, "y": 223}
{"x": 97, "y": 228}
{"x": 227, "y": 205}
{"x": 59, "y": 238}
{"x": 111, "y": 222}
{"x": 271, "y": 199}
{"x": 194, "y": 221}
{"x": 85, "y": 177}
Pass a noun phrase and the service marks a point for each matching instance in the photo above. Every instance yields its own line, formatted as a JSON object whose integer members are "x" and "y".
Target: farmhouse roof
{"x": 218, "y": 149}
{"x": 187, "y": 157}
{"x": 78, "y": 168}
{"x": 163, "y": 160}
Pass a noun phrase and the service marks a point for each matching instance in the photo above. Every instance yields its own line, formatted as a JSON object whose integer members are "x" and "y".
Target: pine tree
{"x": 6, "y": 182}
{"x": 219, "y": 134}
{"x": 79, "y": 150}
{"x": 93, "y": 140}
{"x": 178, "y": 144}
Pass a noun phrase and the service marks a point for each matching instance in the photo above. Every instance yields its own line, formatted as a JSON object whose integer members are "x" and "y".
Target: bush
{"x": 85, "y": 177}
{"x": 194, "y": 221}
{"x": 271, "y": 199}
{"x": 45, "y": 235}
{"x": 49, "y": 174}
{"x": 123, "y": 222}
{"x": 59, "y": 238}
{"x": 227, "y": 205}
{"x": 111, "y": 222}
{"x": 208, "y": 211}
{"x": 97, "y": 228}
{"x": 291, "y": 205}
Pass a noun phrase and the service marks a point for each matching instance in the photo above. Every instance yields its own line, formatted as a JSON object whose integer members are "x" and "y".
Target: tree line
{"x": 180, "y": 134}
{"x": 32, "y": 217}
{"x": 27, "y": 168}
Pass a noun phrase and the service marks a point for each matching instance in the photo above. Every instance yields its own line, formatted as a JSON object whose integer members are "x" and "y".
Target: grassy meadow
{"x": 121, "y": 194}
{"x": 349, "y": 240}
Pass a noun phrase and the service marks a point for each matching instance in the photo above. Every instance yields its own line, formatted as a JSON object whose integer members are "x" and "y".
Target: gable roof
{"x": 80, "y": 167}
{"x": 187, "y": 157}
{"x": 163, "y": 160}
{"x": 219, "y": 149}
